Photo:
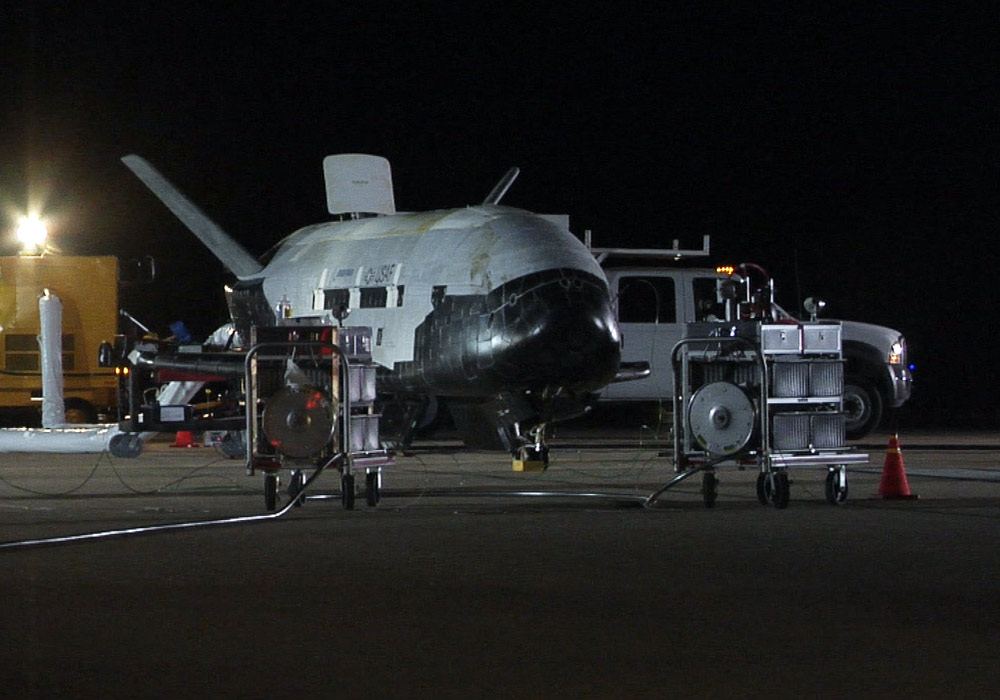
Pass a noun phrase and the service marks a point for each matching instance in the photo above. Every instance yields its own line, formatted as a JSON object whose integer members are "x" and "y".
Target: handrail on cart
{"x": 345, "y": 389}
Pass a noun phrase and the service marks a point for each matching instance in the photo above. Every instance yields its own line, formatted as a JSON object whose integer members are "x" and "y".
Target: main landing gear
{"x": 533, "y": 456}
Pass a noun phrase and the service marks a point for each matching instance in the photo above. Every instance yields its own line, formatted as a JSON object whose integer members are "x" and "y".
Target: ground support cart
{"x": 313, "y": 389}
{"x": 767, "y": 395}
{"x": 310, "y": 390}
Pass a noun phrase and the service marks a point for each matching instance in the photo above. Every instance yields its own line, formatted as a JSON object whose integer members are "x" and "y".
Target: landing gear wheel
{"x": 531, "y": 453}
{"x": 270, "y": 491}
{"x": 836, "y": 486}
{"x": 709, "y": 489}
{"x": 373, "y": 488}
{"x": 772, "y": 488}
{"x": 295, "y": 485}
{"x": 347, "y": 491}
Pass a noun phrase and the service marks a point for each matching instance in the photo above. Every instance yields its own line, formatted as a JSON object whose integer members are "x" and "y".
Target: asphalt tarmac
{"x": 456, "y": 587}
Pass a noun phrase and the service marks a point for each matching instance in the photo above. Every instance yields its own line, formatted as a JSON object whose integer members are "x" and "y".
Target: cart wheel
{"x": 772, "y": 488}
{"x": 347, "y": 491}
{"x": 762, "y": 490}
{"x": 295, "y": 485}
{"x": 835, "y": 493}
{"x": 709, "y": 488}
{"x": 373, "y": 492}
{"x": 270, "y": 491}
{"x": 779, "y": 488}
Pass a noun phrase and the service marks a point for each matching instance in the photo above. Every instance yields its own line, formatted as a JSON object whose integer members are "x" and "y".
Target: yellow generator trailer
{"x": 87, "y": 286}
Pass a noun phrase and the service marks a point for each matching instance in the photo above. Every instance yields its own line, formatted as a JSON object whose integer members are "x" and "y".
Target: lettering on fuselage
{"x": 378, "y": 275}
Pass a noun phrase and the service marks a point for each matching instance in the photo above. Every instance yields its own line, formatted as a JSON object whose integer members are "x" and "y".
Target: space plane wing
{"x": 234, "y": 256}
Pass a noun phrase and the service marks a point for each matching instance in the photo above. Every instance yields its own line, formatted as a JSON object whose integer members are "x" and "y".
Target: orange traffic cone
{"x": 184, "y": 439}
{"x": 894, "y": 484}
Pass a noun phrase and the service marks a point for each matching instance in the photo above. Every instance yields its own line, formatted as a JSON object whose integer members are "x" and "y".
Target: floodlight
{"x": 32, "y": 234}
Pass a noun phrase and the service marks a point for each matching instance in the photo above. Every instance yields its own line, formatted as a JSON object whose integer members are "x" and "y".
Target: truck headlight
{"x": 896, "y": 352}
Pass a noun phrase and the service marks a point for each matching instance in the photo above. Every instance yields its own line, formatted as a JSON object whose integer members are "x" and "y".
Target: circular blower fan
{"x": 298, "y": 421}
{"x": 721, "y": 418}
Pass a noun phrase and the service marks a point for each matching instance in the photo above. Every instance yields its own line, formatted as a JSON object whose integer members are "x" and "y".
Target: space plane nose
{"x": 556, "y": 329}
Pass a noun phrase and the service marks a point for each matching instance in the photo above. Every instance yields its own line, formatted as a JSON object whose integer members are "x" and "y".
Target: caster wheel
{"x": 709, "y": 489}
{"x": 836, "y": 487}
{"x": 295, "y": 485}
{"x": 779, "y": 489}
{"x": 347, "y": 491}
{"x": 763, "y": 495}
{"x": 270, "y": 491}
{"x": 772, "y": 488}
{"x": 373, "y": 488}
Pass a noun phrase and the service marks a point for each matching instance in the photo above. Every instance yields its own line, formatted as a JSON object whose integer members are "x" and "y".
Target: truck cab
{"x": 654, "y": 302}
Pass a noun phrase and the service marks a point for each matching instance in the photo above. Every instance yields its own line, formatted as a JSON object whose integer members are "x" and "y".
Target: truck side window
{"x": 647, "y": 300}
{"x": 707, "y": 304}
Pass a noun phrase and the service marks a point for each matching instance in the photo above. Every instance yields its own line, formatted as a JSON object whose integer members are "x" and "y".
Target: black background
{"x": 852, "y": 152}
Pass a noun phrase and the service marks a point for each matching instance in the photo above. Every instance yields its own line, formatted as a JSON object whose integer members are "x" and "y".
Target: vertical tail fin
{"x": 234, "y": 256}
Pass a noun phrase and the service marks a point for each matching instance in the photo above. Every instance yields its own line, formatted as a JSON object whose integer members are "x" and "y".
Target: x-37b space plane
{"x": 503, "y": 312}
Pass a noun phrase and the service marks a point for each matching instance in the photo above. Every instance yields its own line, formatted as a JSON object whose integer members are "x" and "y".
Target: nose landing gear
{"x": 533, "y": 457}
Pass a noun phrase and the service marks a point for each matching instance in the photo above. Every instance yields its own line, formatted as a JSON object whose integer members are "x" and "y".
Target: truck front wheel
{"x": 862, "y": 406}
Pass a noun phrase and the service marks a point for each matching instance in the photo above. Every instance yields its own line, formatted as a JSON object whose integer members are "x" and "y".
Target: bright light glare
{"x": 32, "y": 232}
{"x": 896, "y": 353}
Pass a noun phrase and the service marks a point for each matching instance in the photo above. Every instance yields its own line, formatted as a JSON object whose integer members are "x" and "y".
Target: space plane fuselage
{"x": 462, "y": 302}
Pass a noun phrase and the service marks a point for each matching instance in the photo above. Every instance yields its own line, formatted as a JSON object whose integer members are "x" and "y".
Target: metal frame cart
{"x": 303, "y": 393}
{"x": 313, "y": 389}
{"x": 760, "y": 394}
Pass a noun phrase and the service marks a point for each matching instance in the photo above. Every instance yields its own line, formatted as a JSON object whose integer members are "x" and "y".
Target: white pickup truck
{"x": 655, "y": 302}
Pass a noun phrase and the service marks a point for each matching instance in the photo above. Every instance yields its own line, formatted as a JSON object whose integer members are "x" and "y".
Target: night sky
{"x": 852, "y": 152}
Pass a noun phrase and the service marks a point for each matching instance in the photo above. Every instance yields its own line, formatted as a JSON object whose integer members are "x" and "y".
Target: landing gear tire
{"x": 709, "y": 489}
{"x": 773, "y": 488}
{"x": 530, "y": 453}
{"x": 347, "y": 491}
{"x": 836, "y": 487}
{"x": 373, "y": 488}
{"x": 270, "y": 491}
